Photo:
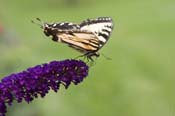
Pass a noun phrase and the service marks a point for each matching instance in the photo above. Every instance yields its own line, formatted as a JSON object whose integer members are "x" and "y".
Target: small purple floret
{"x": 38, "y": 80}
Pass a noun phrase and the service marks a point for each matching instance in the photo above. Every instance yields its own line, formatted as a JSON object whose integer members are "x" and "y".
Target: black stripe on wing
{"x": 65, "y": 26}
{"x": 98, "y": 20}
{"x": 103, "y": 35}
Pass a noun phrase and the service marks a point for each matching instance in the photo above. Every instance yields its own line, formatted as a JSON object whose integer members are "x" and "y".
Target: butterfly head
{"x": 47, "y": 28}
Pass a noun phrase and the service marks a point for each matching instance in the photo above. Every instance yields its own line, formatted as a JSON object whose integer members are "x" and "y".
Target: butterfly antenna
{"x": 41, "y": 24}
{"x": 106, "y": 57}
{"x": 38, "y": 19}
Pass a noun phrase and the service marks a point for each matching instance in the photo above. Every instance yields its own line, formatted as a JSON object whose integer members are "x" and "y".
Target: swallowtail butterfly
{"x": 87, "y": 37}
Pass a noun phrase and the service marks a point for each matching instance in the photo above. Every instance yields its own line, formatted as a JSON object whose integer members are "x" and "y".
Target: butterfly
{"x": 88, "y": 37}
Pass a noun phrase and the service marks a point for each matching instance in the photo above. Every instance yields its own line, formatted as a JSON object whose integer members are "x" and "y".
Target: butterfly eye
{"x": 46, "y": 32}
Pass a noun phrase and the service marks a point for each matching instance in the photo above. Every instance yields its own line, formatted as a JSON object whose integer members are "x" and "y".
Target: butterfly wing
{"x": 82, "y": 41}
{"x": 64, "y": 26}
{"x": 101, "y": 27}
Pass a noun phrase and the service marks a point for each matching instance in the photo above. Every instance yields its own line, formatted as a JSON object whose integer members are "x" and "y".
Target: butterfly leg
{"x": 78, "y": 56}
{"x": 85, "y": 58}
{"x": 89, "y": 55}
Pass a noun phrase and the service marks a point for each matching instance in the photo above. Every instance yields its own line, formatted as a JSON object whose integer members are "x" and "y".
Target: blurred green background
{"x": 138, "y": 81}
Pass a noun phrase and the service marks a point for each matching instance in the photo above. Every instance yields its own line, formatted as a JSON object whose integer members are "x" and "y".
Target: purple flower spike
{"x": 38, "y": 80}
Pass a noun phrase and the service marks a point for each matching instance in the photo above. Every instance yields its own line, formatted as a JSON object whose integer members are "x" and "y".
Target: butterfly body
{"x": 87, "y": 37}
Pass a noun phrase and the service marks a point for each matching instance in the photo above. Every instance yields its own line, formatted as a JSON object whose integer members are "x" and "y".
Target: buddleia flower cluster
{"x": 36, "y": 81}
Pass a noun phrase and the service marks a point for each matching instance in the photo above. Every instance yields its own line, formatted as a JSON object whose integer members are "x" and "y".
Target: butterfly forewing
{"x": 101, "y": 27}
{"x": 65, "y": 26}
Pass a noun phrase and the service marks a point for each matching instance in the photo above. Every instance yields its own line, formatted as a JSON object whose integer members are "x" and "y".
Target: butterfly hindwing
{"x": 81, "y": 41}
